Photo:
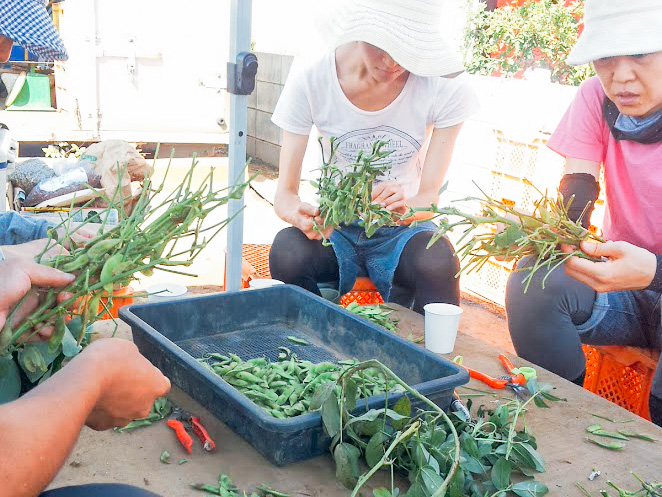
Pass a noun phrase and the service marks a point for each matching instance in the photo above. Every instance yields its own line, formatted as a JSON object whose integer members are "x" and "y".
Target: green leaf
{"x": 469, "y": 445}
{"x": 346, "y": 457}
{"x": 472, "y": 465}
{"x": 402, "y": 407}
{"x": 381, "y": 492}
{"x": 607, "y": 445}
{"x": 351, "y": 394}
{"x": 530, "y": 488}
{"x": 594, "y": 427}
{"x": 431, "y": 479}
{"x": 374, "y": 451}
{"x": 75, "y": 326}
{"x": 509, "y": 236}
{"x": 331, "y": 416}
{"x": 70, "y": 347}
{"x": 501, "y": 473}
{"x": 531, "y": 456}
{"x": 610, "y": 434}
{"x": 321, "y": 395}
{"x": 456, "y": 487}
{"x": 418, "y": 490}
{"x": 632, "y": 434}
{"x": 10, "y": 379}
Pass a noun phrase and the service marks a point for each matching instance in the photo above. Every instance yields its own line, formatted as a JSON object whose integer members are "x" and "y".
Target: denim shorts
{"x": 376, "y": 257}
{"x": 629, "y": 317}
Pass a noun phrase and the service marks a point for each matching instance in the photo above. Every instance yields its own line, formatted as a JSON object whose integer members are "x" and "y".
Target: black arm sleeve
{"x": 656, "y": 284}
{"x": 585, "y": 189}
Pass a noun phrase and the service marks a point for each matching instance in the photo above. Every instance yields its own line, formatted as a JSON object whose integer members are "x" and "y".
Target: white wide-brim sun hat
{"x": 407, "y": 30}
{"x": 29, "y": 25}
{"x": 617, "y": 27}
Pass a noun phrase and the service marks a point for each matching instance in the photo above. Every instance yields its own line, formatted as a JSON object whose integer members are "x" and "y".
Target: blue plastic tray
{"x": 254, "y": 323}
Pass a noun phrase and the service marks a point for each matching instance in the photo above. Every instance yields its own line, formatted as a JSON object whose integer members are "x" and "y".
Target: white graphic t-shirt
{"x": 313, "y": 96}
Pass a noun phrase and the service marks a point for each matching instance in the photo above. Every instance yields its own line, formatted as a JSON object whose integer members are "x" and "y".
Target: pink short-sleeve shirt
{"x": 633, "y": 171}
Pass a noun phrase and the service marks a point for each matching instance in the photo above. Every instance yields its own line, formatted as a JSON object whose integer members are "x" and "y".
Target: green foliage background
{"x": 511, "y": 39}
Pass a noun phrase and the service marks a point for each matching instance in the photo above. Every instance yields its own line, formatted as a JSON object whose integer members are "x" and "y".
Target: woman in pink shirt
{"x": 614, "y": 125}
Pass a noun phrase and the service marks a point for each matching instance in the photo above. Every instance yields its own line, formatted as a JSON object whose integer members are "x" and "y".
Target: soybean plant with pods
{"x": 155, "y": 235}
{"x": 539, "y": 234}
{"x": 440, "y": 454}
{"x": 345, "y": 193}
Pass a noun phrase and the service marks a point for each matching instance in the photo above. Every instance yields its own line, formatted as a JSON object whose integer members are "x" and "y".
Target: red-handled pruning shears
{"x": 180, "y": 420}
{"x": 514, "y": 380}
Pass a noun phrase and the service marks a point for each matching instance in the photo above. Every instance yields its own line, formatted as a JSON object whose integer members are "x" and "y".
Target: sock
{"x": 579, "y": 381}
{"x": 656, "y": 409}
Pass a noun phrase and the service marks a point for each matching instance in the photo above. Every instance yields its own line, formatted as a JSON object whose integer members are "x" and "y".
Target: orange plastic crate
{"x": 257, "y": 257}
{"x": 363, "y": 292}
{"x": 621, "y": 374}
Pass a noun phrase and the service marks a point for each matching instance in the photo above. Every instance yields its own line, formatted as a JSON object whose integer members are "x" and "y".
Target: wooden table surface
{"x": 134, "y": 458}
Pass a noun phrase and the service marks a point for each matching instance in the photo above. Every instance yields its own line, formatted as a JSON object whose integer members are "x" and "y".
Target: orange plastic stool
{"x": 363, "y": 292}
{"x": 621, "y": 374}
{"x": 121, "y": 296}
{"x": 256, "y": 261}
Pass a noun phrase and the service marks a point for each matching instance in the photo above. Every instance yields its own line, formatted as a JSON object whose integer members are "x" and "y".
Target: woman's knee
{"x": 541, "y": 288}
{"x": 290, "y": 252}
{"x": 436, "y": 262}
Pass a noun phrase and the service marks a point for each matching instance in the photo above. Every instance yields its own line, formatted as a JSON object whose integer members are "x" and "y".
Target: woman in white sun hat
{"x": 614, "y": 125}
{"x": 390, "y": 76}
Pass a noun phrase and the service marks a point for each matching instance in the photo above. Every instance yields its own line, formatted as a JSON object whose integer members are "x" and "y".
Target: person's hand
{"x": 390, "y": 195}
{"x": 30, "y": 250}
{"x": 627, "y": 267}
{"x": 128, "y": 382}
{"x": 77, "y": 234}
{"x": 17, "y": 278}
{"x": 304, "y": 217}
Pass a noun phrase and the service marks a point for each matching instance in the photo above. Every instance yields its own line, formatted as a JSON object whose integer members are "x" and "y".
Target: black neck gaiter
{"x": 650, "y": 134}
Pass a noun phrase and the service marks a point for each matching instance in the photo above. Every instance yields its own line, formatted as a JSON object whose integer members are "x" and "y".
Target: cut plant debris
{"x": 538, "y": 235}
{"x": 227, "y": 488}
{"x": 377, "y": 313}
{"x": 440, "y": 454}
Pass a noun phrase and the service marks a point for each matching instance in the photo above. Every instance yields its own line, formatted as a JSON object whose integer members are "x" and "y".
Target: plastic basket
{"x": 621, "y": 374}
{"x": 255, "y": 324}
{"x": 257, "y": 257}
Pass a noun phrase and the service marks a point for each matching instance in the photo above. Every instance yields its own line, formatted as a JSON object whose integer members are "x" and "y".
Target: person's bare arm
{"x": 288, "y": 204}
{"x": 436, "y": 165}
{"x": 574, "y": 165}
{"x": 107, "y": 385}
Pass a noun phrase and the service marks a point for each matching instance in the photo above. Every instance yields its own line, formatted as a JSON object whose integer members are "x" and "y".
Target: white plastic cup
{"x": 263, "y": 282}
{"x": 441, "y": 323}
{"x": 160, "y": 292}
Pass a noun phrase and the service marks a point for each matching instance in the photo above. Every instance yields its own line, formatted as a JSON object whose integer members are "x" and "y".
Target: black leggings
{"x": 99, "y": 490}
{"x": 422, "y": 275}
{"x": 543, "y": 326}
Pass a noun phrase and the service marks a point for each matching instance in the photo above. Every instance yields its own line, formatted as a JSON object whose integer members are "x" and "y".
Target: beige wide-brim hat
{"x": 408, "y": 30}
{"x": 618, "y": 27}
